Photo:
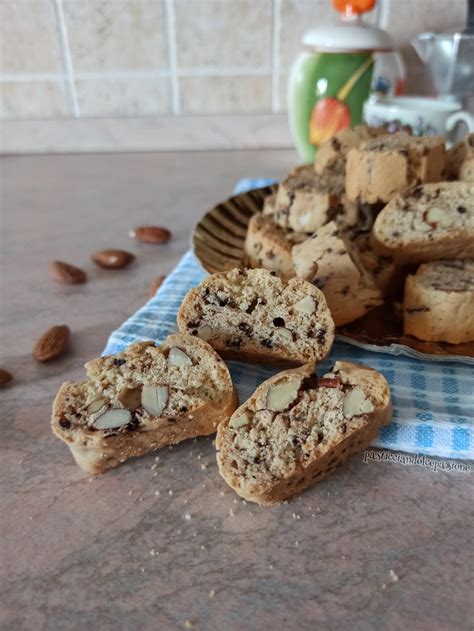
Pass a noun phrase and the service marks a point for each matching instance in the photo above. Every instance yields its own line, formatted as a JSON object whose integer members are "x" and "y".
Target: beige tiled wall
{"x": 108, "y": 58}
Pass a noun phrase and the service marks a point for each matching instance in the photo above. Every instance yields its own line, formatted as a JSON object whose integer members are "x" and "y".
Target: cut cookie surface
{"x": 296, "y": 429}
{"x": 305, "y": 200}
{"x": 254, "y": 315}
{"x": 269, "y": 245}
{"x": 142, "y": 399}
{"x": 427, "y": 223}
{"x": 380, "y": 168}
{"x": 330, "y": 261}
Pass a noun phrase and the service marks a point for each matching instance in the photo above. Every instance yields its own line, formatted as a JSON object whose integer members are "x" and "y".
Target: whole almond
{"x": 156, "y": 284}
{"x": 67, "y": 274}
{"x": 52, "y": 343}
{"x": 113, "y": 259}
{"x": 5, "y": 377}
{"x": 151, "y": 234}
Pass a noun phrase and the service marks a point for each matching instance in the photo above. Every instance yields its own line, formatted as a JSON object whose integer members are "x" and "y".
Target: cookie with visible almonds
{"x": 427, "y": 223}
{"x": 296, "y": 429}
{"x": 254, "y": 315}
{"x": 142, "y": 399}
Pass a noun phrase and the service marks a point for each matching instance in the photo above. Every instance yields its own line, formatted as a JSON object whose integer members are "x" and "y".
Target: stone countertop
{"x": 162, "y": 542}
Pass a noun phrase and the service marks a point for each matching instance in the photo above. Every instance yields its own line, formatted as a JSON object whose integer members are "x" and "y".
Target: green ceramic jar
{"x": 333, "y": 76}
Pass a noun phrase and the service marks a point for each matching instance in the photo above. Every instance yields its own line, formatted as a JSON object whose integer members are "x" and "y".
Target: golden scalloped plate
{"x": 218, "y": 243}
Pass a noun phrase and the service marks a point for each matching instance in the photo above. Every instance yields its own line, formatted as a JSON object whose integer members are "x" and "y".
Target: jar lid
{"x": 349, "y": 35}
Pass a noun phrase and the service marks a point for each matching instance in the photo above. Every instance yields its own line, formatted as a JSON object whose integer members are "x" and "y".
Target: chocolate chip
{"x": 395, "y": 234}
{"x": 321, "y": 336}
{"x": 267, "y": 343}
{"x": 461, "y": 209}
{"x": 320, "y": 437}
{"x": 336, "y": 144}
{"x": 252, "y": 305}
{"x": 345, "y": 290}
{"x": 134, "y": 424}
{"x": 236, "y": 343}
{"x": 193, "y": 325}
{"x": 119, "y": 362}
{"x": 64, "y": 423}
{"x": 222, "y": 301}
{"x": 273, "y": 273}
{"x": 416, "y": 193}
{"x": 245, "y": 328}
{"x": 320, "y": 283}
{"x": 309, "y": 383}
{"x": 183, "y": 409}
{"x": 278, "y": 322}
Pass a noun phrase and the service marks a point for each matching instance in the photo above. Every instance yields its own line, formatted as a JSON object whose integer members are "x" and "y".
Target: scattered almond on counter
{"x": 112, "y": 259}
{"x": 67, "y": 274}
{"x": 156, "y": 284}
{"x": 52, "y": 343}
{"x": 150, "y": 234}
{"x": 5, "y": 377}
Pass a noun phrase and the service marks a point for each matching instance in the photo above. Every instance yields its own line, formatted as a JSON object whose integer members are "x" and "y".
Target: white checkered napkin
{"x": 433, "y": 401}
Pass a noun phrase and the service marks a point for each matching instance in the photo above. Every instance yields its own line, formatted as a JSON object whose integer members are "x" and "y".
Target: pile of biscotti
{"x": 376, "y": 214}
{"x": 294, "y": 430}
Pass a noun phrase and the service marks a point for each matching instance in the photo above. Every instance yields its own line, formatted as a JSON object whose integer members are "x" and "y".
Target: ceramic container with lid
{"x": 334, "y": 74}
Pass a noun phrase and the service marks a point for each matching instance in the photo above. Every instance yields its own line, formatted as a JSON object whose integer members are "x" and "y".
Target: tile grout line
{"x": 67, "y": 59}
{"x": 171, "y": 37}
{"x": 276, "y": 44}
{"x": 202, "y": 71}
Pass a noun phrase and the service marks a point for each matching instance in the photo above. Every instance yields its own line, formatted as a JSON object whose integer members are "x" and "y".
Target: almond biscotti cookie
{"x": 331, "y": 155}
{"x": 438, "y": 304}
{"x": 330, "y": 261}
{"x": 427, "y": 223}
{"x": 142, "y": 399}
{"x": 254, "y": 315}
{"x": 460, "y": 160}
{"x": 296, "y": 429}
{"x": 379, "y": 169}
{"x": 269, "y": 245}
{"x": 305, "y": 201}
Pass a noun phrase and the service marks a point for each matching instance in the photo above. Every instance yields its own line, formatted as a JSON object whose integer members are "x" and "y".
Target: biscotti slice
{"x": 438, "y": 304}
{"x": 331, "y": 155}
{"x": 330, "y": 261}
{"x": 254, "y": 315}
{"x": 427, "y": 223}
{"x": 460, "y": 160}
{"x": 380, "y": 168}
{"x": 382, "y": 268}
{"x": 296, "y": 429}
{"x": 269, "y": 245}
{"x": 142, "y": 399}
{"x": 305, "y": 201}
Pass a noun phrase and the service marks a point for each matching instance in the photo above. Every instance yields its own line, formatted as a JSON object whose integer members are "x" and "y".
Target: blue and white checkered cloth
{"x": 433, "y": 401}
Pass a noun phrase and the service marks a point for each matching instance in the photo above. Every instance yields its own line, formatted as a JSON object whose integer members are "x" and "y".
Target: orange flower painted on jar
{"x": 329, "y": 116}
